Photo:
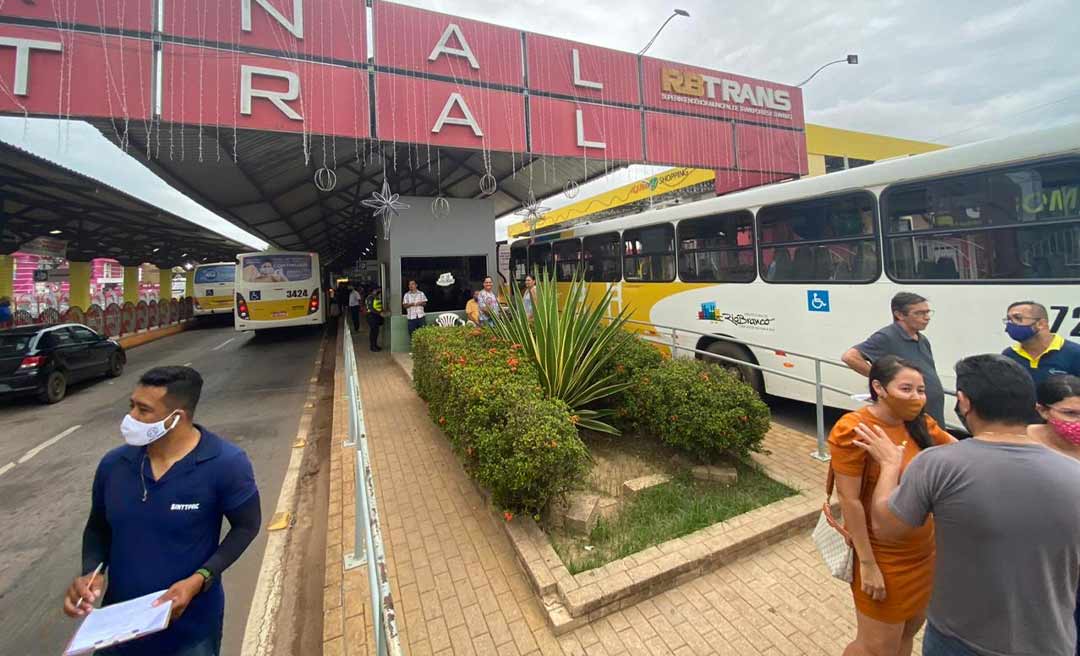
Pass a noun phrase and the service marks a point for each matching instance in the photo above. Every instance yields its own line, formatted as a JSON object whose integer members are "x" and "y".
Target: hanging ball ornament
{"x": 488, "y": 184}
{"x": 325, "y": 179}
{"x": 570, "y": 188}
{"x": 440, "y": 207}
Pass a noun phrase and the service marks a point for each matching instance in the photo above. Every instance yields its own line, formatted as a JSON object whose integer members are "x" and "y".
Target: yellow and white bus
{"x": 215, "y": 289}
{"x": 811, "y": 265}
{"x": 277, "y": 290}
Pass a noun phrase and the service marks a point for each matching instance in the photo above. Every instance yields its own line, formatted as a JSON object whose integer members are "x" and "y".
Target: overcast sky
{"x": 950, "y": 72}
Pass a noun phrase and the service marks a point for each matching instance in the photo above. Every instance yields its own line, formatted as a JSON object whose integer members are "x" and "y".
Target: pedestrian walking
{"x": 1058, "y": 400}
{"x": 904, "y": 338}
{"x": 488, "y": 302}
{"x": 1038, "y": 350}
{"x": 374, "y": 306}
{"x": 1007, "y": 525}
{"x": 893, "y": 579}
{"x": 528, "y": 298}
{"x": 413, "y": 303}
{"x": 355, "y": 301}
{"x": 155, "y": 518}
{"x": 6, "y": 315}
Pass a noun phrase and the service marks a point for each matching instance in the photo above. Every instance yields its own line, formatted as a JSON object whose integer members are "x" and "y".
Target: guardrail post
{"x": 674, "y": 341}
{"x": 822, "y": 453}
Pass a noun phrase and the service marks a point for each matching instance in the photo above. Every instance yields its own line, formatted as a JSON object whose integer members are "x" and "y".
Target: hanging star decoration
{"x": 532, "y": 212}
{"x": 385, "y": 205}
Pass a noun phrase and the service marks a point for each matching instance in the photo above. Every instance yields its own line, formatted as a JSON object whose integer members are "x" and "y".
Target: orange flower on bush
{"x": 619, "y": 368}
{"x": 508, "y": 516}
{"x": 554, "y": 444}
{"x": 574, "y": 419}
{"x": 476, "y": 332}
{"x": 674, "y": 417}
{"x": 514, "y": 347}
{"x": 442, "y": 420}
{"x": 493, "y": 350}
{"x": 461, "y": 360}
{"x": 513, "y": 362}
{"x": 705, "y": 377}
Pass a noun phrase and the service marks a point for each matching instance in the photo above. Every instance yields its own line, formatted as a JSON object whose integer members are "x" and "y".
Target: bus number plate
{"x": 280, "y": 315}
{"x": 295, "y": 293}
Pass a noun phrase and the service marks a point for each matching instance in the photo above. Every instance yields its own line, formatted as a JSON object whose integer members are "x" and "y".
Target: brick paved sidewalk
{"x": 458, "y": 590}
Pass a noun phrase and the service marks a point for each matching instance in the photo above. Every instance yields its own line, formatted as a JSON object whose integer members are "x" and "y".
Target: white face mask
{"x": 137, "y": 433}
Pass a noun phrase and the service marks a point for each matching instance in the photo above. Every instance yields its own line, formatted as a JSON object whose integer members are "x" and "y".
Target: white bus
{"x": 215, "y": 289}
{"x": 811, "y": 265}
{"x": 278, "y": 289}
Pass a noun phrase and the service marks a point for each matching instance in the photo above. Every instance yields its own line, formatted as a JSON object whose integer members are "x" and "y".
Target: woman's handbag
{"x": 832, "y": 540}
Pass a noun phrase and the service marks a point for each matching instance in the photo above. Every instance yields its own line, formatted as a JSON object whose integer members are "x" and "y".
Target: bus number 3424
{"x": 1060, "y": 313}
{"x": 302, "y": 293}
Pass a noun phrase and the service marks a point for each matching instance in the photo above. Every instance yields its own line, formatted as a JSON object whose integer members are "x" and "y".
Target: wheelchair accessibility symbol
{"x": 817, "y": 300}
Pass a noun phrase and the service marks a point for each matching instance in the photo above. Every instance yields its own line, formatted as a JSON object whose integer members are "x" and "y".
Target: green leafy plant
{"x": 701, "y": 409}
{"x": 483, "y": 393}
{"x": 635, "y": 356}
{"x": 571, "y": 344}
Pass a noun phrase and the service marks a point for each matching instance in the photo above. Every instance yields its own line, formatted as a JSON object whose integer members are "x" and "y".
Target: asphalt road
{"x": 254, "y": 393}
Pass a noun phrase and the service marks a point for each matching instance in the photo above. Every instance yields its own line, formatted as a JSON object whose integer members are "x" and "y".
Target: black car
{"x": 44, "y": 360}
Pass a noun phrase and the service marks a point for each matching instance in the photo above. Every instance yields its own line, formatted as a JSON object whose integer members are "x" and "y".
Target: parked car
{"x": 44, "y": 360}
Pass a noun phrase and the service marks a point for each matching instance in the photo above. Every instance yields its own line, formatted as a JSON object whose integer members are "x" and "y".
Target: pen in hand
{"x": 93, "y": 575}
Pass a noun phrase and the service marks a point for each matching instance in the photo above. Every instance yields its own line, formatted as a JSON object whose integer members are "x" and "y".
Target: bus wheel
{"x": 748, "y": 375}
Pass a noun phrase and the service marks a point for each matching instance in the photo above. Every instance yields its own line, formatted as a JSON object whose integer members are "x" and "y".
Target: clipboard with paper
{"x": 117, "y": 623}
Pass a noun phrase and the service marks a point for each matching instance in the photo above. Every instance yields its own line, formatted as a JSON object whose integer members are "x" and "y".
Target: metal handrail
{"x": 368, "y": 550}
{"x": 822, "y": 452}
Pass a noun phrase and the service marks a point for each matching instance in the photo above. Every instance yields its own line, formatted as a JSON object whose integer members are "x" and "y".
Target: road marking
{"x": 223, "y": 344}
{"x": 47, "y": 443}
{"x": 6, "y": 468}
{"x": 187, "y": 364}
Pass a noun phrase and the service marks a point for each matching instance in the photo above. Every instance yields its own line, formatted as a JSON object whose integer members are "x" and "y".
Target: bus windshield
{"x": 279, "y": 268}
{"x": 206, "y": 275}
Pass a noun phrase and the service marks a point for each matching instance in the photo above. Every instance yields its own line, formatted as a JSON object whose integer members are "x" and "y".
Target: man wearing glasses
{"x": 1040, "y": 352}
{"x": 903, "y": 338}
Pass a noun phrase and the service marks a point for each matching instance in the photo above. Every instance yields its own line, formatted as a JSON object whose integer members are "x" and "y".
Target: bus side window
{"x": 601, "y": 256}
{"x": 717, "y": 248}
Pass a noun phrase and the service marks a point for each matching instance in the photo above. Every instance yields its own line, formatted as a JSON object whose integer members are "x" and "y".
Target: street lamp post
{"x": 850, "y": 59}
{"x": 677, "y": 12}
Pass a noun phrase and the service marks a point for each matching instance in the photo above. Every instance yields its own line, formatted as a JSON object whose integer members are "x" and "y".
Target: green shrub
{"x": 635, "y": 356}
{"x": 701, "y": 409}
{"x": 485, "y": 395}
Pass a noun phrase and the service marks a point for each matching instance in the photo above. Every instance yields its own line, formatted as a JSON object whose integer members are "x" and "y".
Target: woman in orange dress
{"x": 893, "y": 580}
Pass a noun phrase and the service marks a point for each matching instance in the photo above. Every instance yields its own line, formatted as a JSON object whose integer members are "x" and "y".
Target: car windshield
{"x": 14, "y": 344}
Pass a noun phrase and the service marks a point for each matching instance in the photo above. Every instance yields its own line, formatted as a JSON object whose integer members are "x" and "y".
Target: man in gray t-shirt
{"x": 1007, "y": 522}
{"x": 904, "y": 338}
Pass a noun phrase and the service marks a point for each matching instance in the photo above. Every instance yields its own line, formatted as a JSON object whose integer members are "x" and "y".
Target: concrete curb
{"x": 138, "y": 339}
{"x": 262, "y": 623}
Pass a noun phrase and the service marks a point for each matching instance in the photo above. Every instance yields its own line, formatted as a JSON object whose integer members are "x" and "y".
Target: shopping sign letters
{"x": 301, "y": 66}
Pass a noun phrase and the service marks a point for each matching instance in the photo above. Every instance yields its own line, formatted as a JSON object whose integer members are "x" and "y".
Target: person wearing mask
{"x": 413, "y": 303}
{"x": 904, "y": 338}
{"x": 488, "y": 302}
{"x": 472, "y": 307}
{"x": 374, "y": 318}
{"x": 1040, "y": 352}
{"x": 355, "y": 301}
{"x": 1007, "y": 525}
{"x": 1059, "y": 406}
{"x": 528, "y": 298}
{"x": 156, "y": 511}
{"x": 893, "y": 579}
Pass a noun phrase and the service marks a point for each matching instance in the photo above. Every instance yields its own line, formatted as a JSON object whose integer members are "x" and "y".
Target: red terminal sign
{"x": 439, "y": 80}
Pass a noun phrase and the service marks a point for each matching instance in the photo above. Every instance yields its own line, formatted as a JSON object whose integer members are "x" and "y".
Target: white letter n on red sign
{"x": 296, "y": 27}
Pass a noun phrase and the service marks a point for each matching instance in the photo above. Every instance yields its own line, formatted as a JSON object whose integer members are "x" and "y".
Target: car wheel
{"x": 55, "y": 388}
{"x": 116, "y": 365}
{"x": 746, "y": 374}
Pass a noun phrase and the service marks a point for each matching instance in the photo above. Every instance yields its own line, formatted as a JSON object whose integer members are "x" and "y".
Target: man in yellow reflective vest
{"x": 374, "y": 305}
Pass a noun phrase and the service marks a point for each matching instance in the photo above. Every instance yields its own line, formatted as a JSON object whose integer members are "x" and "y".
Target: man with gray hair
{"x": 1038, "y": 350}
{"x": 903, "y": 338}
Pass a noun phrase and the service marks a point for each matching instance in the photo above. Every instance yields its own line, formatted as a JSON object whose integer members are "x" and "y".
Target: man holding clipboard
{"x": 156, "y": 514}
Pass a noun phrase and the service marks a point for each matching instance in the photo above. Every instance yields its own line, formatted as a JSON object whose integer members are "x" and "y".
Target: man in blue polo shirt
{"x": 156, "y": 515}
{"x": 1040, "y": 352}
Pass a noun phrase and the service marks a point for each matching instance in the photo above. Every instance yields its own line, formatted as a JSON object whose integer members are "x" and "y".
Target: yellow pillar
{"x": 189, "y": 284}
{"x": 165, "y": 281}
{"x": 131, "y": 284}
{"x": 79, "y": 284}
{"x": 7, "y": 275}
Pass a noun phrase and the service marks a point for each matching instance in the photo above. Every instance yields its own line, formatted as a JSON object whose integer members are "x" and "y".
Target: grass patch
{"x": 666, "y": 512}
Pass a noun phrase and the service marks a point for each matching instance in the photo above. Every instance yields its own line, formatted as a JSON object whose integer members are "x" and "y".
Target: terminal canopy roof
{"x": 39, "y": 198}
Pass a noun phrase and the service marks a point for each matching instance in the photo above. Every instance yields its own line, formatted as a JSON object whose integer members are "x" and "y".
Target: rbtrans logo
{"x": 723, "y": 92}
{"x": 751, "y": 320}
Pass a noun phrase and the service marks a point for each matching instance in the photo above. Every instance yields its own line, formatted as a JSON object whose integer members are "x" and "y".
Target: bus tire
{"x": 748, "y": 375}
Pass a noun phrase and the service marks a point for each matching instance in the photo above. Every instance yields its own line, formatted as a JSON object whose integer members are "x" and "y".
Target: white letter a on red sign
{"x": 444, "y": 47}
{"x": 467, "y": 118}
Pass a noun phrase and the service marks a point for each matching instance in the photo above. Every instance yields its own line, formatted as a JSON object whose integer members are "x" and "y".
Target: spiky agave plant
{"x": 571, "y": 342}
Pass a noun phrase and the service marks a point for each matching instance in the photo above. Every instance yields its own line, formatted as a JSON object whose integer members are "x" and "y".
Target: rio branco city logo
{"x": 709, "y": 311}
